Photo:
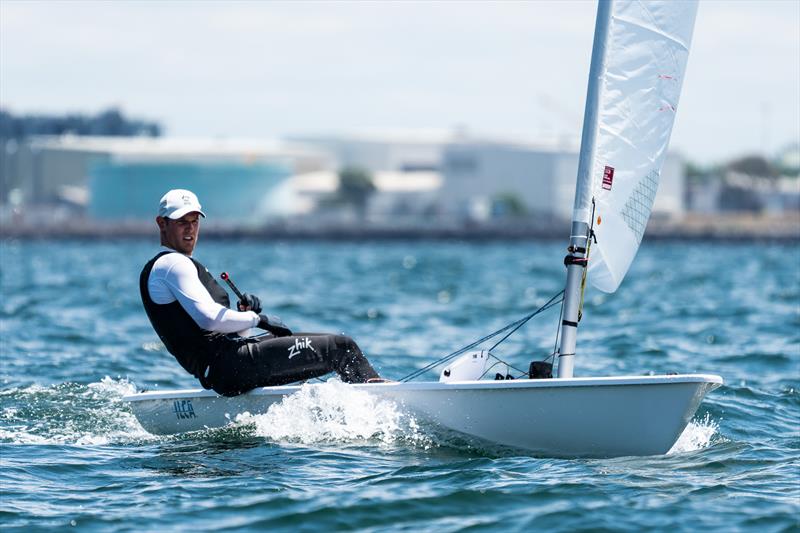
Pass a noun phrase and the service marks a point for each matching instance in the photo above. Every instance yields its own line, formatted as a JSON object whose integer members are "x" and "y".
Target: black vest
{"x": 194, "y": 348}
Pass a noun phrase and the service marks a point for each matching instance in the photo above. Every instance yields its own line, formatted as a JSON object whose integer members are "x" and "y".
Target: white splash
{"x": 113, "y": 388}
{"x": 335, "y": 412}
{"x": 67, "y": 413}
{"x": 697, "y": 436}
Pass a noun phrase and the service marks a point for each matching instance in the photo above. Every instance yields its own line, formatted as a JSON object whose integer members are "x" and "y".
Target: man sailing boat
{"x": 191, "y": 314}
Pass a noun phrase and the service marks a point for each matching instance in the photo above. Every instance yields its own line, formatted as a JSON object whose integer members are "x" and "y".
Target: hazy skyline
{"x": 267, "y": 69}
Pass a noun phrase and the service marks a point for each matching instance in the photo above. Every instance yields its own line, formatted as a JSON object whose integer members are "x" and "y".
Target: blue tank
{"x": 234, "y": 192}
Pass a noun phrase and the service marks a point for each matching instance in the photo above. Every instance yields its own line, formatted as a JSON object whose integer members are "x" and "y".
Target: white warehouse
{"x": 476, "y": 174}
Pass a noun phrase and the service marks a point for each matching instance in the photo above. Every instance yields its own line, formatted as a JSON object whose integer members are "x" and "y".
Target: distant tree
{"x": 355, "y": 187}
{"x": 508, "y": 204}
{"x": 741, "y": 193}
{"x": 754, "y": 165}
{"x": 110, "y": 122}
{"x": 701, "y": 174}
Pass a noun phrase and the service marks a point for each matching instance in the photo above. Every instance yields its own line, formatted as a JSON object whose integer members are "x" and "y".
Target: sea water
{"x": 74, "y": 339}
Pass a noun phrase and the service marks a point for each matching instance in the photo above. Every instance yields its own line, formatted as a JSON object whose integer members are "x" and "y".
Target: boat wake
{"x": 335, "y": 412}
{"x": 70, "y": 413}
{"x": 95, "y": 415}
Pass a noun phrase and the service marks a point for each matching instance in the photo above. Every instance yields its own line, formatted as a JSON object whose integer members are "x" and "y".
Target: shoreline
{"x": 721, "y": 228}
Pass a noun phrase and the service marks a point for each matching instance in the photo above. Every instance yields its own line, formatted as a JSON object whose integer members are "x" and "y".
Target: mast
{"x": 582, "y": 213}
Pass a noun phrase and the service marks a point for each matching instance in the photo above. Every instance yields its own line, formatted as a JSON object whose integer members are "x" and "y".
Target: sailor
{"x": 191, "y": 313}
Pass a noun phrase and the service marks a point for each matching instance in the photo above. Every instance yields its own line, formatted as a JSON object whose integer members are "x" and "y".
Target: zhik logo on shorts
{"x": 299, "y": 344}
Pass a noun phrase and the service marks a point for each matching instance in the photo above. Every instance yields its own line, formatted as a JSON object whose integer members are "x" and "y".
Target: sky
{"x": 270, "y": 69}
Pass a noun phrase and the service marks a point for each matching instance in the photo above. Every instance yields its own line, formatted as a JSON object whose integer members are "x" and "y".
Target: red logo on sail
{"x": 608, "y": 178}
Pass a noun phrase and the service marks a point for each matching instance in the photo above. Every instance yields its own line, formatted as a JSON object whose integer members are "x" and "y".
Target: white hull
{"x": 579, "y": 417}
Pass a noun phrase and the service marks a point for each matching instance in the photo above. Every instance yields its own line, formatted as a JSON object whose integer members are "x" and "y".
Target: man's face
{"x": 181, "y": 234}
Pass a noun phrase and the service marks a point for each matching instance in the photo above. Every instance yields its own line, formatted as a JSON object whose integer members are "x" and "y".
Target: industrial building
{"x": 122, "y": 178}
{"x": 419, "y": 177}
{"x": 477, "y": 175}
{"x": 480, "y": 175}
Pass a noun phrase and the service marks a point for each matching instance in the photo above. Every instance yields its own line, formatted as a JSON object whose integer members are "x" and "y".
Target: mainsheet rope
{"x": 513, "y": 326}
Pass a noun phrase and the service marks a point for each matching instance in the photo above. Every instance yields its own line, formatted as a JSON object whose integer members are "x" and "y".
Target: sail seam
{"x": 652, "y": 29}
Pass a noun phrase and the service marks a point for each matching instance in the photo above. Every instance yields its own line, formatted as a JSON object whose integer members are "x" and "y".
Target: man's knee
{"x": 345, "y": 343}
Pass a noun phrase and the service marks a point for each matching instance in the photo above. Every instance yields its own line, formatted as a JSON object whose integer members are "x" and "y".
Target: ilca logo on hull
{"x": 299, "y": 344}
{"x": 183, "y": 409}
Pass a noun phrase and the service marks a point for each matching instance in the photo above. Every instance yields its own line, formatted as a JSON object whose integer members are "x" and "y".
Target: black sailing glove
{"x": 274, "y": 325}
{"x": 252, "y": 301}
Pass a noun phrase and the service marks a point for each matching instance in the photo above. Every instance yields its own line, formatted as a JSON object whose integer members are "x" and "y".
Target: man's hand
{"x": 250, "y": 302}
{"x": 274, "y": 325}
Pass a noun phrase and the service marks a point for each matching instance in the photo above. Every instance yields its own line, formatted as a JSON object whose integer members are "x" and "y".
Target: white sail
{"x": 637, "y": 89}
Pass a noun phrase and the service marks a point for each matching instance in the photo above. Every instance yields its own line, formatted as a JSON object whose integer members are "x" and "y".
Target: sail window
{"x": 637, "y": 209}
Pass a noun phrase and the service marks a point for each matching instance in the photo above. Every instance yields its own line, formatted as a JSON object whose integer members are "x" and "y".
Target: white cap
{"x": 177, "y": 203}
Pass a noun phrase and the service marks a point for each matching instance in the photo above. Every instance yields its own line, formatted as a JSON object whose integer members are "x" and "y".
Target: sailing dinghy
{"x": 638, "y": 62}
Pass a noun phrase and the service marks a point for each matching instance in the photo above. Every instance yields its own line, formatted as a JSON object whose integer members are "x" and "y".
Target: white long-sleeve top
{"x": 174, "y": 277}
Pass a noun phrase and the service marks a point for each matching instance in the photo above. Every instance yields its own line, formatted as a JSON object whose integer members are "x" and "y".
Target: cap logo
{"x": 186, "y": 200}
